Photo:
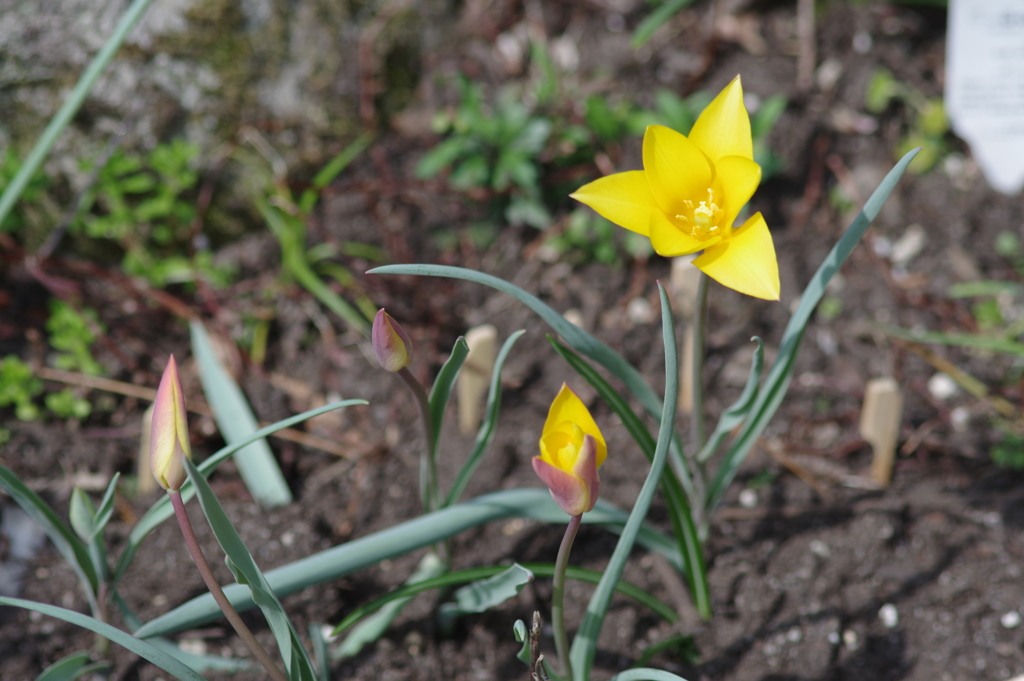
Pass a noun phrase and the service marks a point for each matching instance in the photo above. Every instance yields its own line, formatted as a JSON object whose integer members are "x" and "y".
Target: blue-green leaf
{"x": 401, "y": 539}
{"x": 246, "y": 572}
{"x": 374, "y": 626}
{"x": 140, "y": 648}
{"x": 485, "y": 594}
{"x": 72, "y": 667}
{"x": 73, "y": 549}
{"x": 777, "y": 382}
{"x": 585, "y": 643}
{"x": 486, "y": 433}
{"x": 644, "y": 674}
{"x": 734, "y": 415}
{"x": 256, "y": 463}
{"x": 106, "y": 508}
{"x": 522, "y": 636}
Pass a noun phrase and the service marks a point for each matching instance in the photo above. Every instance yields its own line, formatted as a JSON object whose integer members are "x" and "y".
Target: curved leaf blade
{"x": 124, "y": 639}
{"x": 585, "y": 643}
{"x": 401, "y": 539}
{"x": 777, "y": 382}
{"x": 486, "y": 433}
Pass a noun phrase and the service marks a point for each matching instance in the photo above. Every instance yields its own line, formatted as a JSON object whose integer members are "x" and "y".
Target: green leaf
{"x": 440, "y": 157}
{"x": 373, "y": 627}
{"x": 82, "y": 514}
{"x": 734, "y": 415}
{"x": 333, "y": 169}
{"x": 200, "y": 663}
{"x": 774, "y": 389}
{"x": 486, "y": 433}
{"x": 973, "y": 289}
{"x": 246, "y": 572}
{"x": 71, "y": 667}
{"x": 484, "y": 594}
{"x": 585, "y": 644}
{"x": 964, "y": 340}
{"x": 124, "y": 639}
{"x": 256, "y": 463}
{"x": 106, "y": 507}
{"x": 539, "y": 569}
{"x": 644, "y": 674}
{"x": 399, "y": 540}
{"x": 73, "y": 549}
{"x": 522, "y": 636}
{"x": 655, "y": 20}
{"x": 162, "y": 510}
{"x": 441, "y": 391}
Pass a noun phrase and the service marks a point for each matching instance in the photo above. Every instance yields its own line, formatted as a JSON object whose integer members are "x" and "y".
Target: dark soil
{"x": 804, "y": 580}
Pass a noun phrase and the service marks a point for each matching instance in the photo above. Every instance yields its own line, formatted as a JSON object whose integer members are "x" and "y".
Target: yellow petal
{"x": 623, "y": 198}
{"x": 676, "y": 169}
{"x": 745, "y": 261}
{"x": 668, "y": 240}
{"x": 739, "y": 178}
{"x": 723, "y": 128}
{"x": 568, "y": 407}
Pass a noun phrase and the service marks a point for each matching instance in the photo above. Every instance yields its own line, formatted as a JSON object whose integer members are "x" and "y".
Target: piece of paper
{"x": 985, "y": 85}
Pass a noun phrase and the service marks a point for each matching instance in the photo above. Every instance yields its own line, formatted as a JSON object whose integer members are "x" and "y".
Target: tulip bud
{"x": 391, "y": 343}
{"x": 572, "y": 449}
{"x": 168, "y": 444}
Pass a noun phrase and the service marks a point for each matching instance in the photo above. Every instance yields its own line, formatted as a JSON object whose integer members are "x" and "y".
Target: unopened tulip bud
{"x": 168, "y": 444}
{"x": 391, "y": 343}
{"x": 572, "y": 449}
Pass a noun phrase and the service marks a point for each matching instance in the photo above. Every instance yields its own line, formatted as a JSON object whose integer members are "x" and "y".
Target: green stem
{"x": 428, "y": 468}
{"x": 700, "y": 315}
{"x": 218, "y": 594}
{"x": 558, "y": 596}
{"x": 67, "y": 112}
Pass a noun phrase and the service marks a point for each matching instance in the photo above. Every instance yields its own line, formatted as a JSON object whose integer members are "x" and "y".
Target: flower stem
{"x": 700, "y": 314}
{"x": 218, "y": 594}
{"x": 428, "y": 486}
{"x": 558, "y": 596}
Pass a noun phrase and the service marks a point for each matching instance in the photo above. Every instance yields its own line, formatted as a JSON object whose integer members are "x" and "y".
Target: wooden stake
{"x": 880, "y": 425}
{"x": 475, "y": 376}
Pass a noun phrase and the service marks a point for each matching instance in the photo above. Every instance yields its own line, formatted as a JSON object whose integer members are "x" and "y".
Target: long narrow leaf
{"x": 441, "y": 392}
{"x": 777, "y": 382}
{"x": 246, "y": 572}
{"x": 401, "y": 539}
{"x": 679, "y": 508}
{"x": 256, "y": 463}
{"x": 162, "y": 510}
{"x": 67, "y": 111}
{"x": 643, "y": 674}
{"x": 484, "y": 594}
{"x": 585, "y": 644}
{"x": 963, "y": 340}
{"x": 734, "y": 415}
{"x": 373, "y": 627}
{"x": 486, "y": 433}
{"x": 73, "y": 549}
{"x": 576, "y": 337}
{"x": 140, "y": 648}
{"x": 539, "y": 569}
{"x": 655, "y": 20}
{"x": 68, "y": 668}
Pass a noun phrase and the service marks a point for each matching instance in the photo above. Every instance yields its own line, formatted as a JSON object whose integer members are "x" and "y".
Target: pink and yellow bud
{"x": 571, "y": 450}
{"x": 391, "y": 343}
{"x": 168, "y": 444}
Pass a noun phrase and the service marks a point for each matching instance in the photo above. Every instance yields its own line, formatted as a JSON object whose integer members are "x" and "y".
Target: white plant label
{"x": 985, "y": 85}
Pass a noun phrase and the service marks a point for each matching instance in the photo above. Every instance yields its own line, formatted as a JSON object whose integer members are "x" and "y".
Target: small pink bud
{"x": 168, "y": 444}
{"x": 391, "y": 343}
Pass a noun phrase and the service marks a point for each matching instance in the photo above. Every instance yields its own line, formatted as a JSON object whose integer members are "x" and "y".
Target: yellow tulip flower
{"x": 571, "y": 450}
{"x": 689, "y": 193}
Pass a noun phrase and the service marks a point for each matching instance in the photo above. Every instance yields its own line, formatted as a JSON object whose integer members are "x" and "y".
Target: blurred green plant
{"x": 18, "y": 387}
{"x": 928, "y": 127}
{"x": 33, "y": 197}
{"x": 71, "y": 335}
{"x": 143, "y": 204}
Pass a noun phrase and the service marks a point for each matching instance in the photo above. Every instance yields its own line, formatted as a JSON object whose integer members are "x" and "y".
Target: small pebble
{"x": 960, "y": 418}
{"x": 889, "y": 615}
{"x": 942, "y": 386}
{"x": 908, "y": 245}
{"x": 748, "y": 498}
{"x": 850, "y": 639}
{"x": 1010, "y": 620}
{"x": 862, "y": 42}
